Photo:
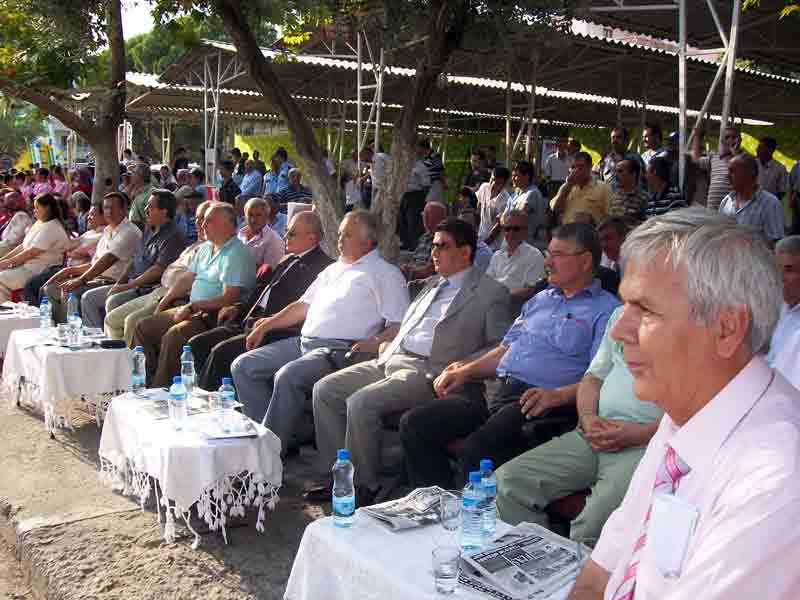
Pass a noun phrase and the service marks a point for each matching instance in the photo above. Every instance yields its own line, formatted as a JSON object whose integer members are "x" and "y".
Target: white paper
{"x": 672, "y": 523}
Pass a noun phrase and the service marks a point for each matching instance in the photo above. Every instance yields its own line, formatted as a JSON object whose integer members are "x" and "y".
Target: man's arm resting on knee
{"x": 591, "y": 583}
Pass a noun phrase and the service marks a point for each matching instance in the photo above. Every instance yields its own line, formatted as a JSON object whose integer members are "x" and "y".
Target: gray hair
{"x": 255, "y": 201}
{"x": 725, "y": 265}
{"x": 312, "y": 221}
{"x": 788, "y": 245}
{"x": 229, "y": 211}
{"x": 367, "y": 224}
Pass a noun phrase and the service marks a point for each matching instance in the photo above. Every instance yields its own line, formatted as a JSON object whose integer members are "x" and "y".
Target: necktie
{"x": 292, "y": 260}
{"x": 413, "y": 320}
{"x": 668, "y": 478}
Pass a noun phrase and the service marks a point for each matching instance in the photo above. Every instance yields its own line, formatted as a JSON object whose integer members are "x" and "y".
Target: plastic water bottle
{"x": 73, "y": 308}
{"x": 489, "y": 485}
{"x": 344, "y": 492}
{"x": 177, "y": 402}
{"x": 227, "y": 398}
{"x": 187, "y": 369}
{"x": 472, "y": 513}
{"x": 138, "y": 372}
{"x": 45, "y": 313}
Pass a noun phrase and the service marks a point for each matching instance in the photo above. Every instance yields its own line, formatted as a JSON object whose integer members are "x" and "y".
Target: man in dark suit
{"x": 458, "y": 315}
{"x": 215, "y": 350}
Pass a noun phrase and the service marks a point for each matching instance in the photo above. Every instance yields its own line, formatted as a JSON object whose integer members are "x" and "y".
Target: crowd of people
{"x": 573, "y": 331}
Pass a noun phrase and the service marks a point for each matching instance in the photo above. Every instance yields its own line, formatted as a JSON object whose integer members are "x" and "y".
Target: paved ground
{"x": 78, "y": 540}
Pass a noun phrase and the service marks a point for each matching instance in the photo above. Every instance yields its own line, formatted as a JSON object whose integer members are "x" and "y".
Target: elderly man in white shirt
{"x": 265, "y": 246}
{"x": 784, "y": 349}
{"x": 354, "y": 305}
{"x": 712, "y": 509}
{"x": 518, "y": 266}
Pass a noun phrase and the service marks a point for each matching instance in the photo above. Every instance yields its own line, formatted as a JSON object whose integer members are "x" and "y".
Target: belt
{"x": 412, "y": 354}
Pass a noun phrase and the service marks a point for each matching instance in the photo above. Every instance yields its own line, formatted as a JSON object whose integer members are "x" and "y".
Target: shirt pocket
{"x": 572, "y": 336}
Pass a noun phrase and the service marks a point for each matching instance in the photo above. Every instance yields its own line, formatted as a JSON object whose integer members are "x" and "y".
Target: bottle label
{"x": 343, "y": 506}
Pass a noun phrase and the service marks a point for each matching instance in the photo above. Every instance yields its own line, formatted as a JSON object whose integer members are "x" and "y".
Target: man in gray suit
{"x": 459, "y": 314}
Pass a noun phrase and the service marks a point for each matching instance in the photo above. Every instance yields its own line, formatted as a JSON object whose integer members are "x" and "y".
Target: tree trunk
{"x": 106, "y": 166}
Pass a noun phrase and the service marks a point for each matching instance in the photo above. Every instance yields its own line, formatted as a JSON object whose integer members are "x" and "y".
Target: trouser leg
{"x": 202, "y": 344}
{"x": 118, "y": 307}
{"x": 219, "y": 361}
{"x": 93, "y": 306}
{"x": 148, "y": 334}
{"x": 169, "y": 356}
{"x": 146, "y": 311}
{"x": 33, "y": 289}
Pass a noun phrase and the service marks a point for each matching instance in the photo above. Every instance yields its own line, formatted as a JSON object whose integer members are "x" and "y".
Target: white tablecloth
{"x": 55, "y": 380}
{"x": 222, "y": 476}
{"x": 370, "y": 562}
{"x": 11, "y": 321}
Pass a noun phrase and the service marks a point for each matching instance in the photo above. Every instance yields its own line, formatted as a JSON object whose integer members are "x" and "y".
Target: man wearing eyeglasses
{"x": 538, "y": 364}
{"x": 518, "y": 266}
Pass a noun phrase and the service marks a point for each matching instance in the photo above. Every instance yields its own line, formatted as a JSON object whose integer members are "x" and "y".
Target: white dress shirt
{"x": 520, "y": 270}
{"x": 742, "y": 449}
{"x": 784, "y": 349}
{"x": 355, "y": 301}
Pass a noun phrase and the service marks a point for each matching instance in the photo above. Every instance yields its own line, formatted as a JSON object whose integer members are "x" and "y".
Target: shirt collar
{"x": 698, "y": 441}
{"x": 368, "y": 257}
{"x": 593, "y": 289}
{"x": 456, "y": 280}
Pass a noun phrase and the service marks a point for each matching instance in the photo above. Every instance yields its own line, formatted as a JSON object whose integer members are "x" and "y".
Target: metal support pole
{"x": 205, "y": 114}
{"x": 446, "y": 128}
{"x": 508, "y": 116}
{"x": 681, "y": 91}
{"x": 711, "y": 91}
{"x": 619, "y": 93}
{"x": 731, "y": 67}
{"x": 379, "y": 94}
{"x": 358, "y": 102}
{"x": 532, "y": 110}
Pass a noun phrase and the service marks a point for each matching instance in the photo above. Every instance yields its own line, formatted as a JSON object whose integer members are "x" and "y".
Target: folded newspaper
{"x": 528, "y": 562}
{"x": 420, "y": 507}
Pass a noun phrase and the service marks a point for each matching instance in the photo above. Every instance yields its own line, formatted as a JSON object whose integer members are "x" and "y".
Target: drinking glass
{"x": 450, "y": 510}
{"x": 445, "y": 568}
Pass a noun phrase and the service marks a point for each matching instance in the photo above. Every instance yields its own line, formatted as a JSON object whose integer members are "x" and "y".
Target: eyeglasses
{"x": 440, "y": 245}
{"x": 560, "y": 255}
{"x": 512, "y": 228}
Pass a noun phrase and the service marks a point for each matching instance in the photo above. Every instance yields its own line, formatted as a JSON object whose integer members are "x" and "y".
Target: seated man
{"x": 264, "y": 244}
{"x": 518, "y": 265}
{"x": 630, "y": 200}
{"x": 221, "y": 272}
{"x": 539, "y": 363}
{"x": 612, "y": 234}
{"x": 276, "y": 219}
{"x": 295, "y": 191}
{"x": 663, "y": 196}
{"x": 161, "y": 244}
{"x": 712, "y": 509}
{"x": 116, "y": 247}
{"x": 215, "y": 350}
{"x": 355, "y": 304}
{"x": 421, "y": 265}
{"x": 458, "y": 315}
{"x": 581, "y": 193}
{"x": 123, "y": 317}
{"x": 784, "y": 349}
{"x": 614, "y": 428}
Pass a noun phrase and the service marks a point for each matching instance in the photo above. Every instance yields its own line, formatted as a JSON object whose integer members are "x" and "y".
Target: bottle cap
{"x": 187, "y": 348}
{"x": 226, "y": 381}
{"x": 343, "y": 454}
{"x": 177, "y": 380}
{"x": 487, "y": 464}
{"x": 475, "y": 477}
{"x": 138, "y": 349}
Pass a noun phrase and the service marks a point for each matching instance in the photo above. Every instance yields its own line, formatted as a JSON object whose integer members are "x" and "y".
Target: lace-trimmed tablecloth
{"x": 55, "y": 380}
{"x": 370, "y": 562}
{"x": 13, "y": 320}
{"x": 140, "y": 452}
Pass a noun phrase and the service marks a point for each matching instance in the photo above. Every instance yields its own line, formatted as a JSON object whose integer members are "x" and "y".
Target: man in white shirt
{"x": 492, "y": 201}
{"x": 529, "y": 199}
{"x": 712, "y": 508}
{"x": 352, "y": 306}
{"x": 556, "y": 168}
{"x": 114, "y": 251}
{"x": 518, "y": 266}
{"x": 784, "y": 349}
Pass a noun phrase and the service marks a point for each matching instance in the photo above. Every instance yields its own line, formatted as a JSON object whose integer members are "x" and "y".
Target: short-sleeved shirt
{"x": 353, "y": 301}
{"x": 773, "y": 177}
{"x": 173, "y": 272}
{"x": 160, "y": 247}
{"x": 659, "y": 203}
{"x": 121, "y": 241}
{"x": 490, "y": 208}
{"x": 594, "y": 198}
{"x": 532, "y": 202}
{"x": 266, "y": 246}
{"x": 617, "y": 399}
{"x": 50, "y": 237}
{"x": 555, "y": 338}
{"x": 251, "y": 183}
{"x": 232, "y": 266}
{"x": 608, "y": 169}
{"x": 14, "y": 231}
{"x": 763, "y": 212}
{"x": 299, "y": 194}
{"x": 520, "y": 270}
{"x": 556, "y": 169}
{"x": 630, "y": 205}
{"x": 275, "y": 183}
{"x": 139, "y": 206}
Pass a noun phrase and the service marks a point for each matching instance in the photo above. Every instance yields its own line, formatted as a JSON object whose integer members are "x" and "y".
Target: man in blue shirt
{"x": 277, "y": 178}
{"x": 221, "y": 273}
{"x": 538, "y": 364}
{"x": 251, "y": 182}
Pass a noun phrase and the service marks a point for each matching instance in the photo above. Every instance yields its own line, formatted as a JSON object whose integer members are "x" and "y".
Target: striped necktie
{"x": 668, "y": 478}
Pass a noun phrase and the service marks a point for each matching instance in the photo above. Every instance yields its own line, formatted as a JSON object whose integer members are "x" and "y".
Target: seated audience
{"x": 538, "y": 363}
{"x": 750, "y": 205}
{"x": 121, "y": 321}
{"x": 252, "y": 181}
{"x": 582, "y": 193}
{"x": 614, "y": 427}
{"x": 529, "y": 199}
{"x": 612, "y": 233}
{"x": 220, "y": 274}
{"x": 168, "y": 181}
{"x": 663, "y": 196}
{"x": 518, "y": 266}
{"x": 355, "y": 304}
{"x": 421, "y": 264}
{"x": 784, "y": 349}
{"x": 215, "y": 350}
{"x": 711, "y": 509}
{"x": 17, "y": 225}
{"x": 277, "y": 220}
{"x": 264, "y": 244}
{"x": 630, "y": 200}
{"x": 82, "y": 205}
{"x": 459, "y": 314}
{"x": 42, "y": 183}
{"x": 42, "y": 247}
{"x": 492, "y": 201}
{"x": 115, "y": 249}
{"x": 277, "y": 178}
{"x": 81, "y": 250}
{"x": 160, "y": 245}
{"x": 139, "y": 193}
{"x": 295, "y": 191}
{"x": 483, "y": 253}
{"x": 229, "y": 190}
{"x": 197, "y": 180}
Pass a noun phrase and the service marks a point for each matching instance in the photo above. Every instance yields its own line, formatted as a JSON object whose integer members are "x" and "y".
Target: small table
{"x": 368, "y": 561}
{"x": 55, "y": 380}
{"x": 141, "y": 452}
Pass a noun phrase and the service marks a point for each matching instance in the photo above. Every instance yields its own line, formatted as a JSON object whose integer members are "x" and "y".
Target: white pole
{"x": 358, "y": 105}
{"x": 205, "y": 114}
{"x": 731, "y": 68}
{"x": 682, "y": 91}
{"x": 508, "y": 116}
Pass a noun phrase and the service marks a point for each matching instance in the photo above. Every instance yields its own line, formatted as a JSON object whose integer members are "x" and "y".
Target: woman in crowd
{"x": 84, "y": 182}
{"x": 5, "y": 214}
{"x": 42, "y": 183}
{"x": 18, "y": 224}
{"x": 82, "y": 205}
{"x": 167, "y": 180}
{"x": 81, "y": 250}
{"x": 42, "y": 247}
{"x": 60, "y": 183}
{"x": 24, "y": 184}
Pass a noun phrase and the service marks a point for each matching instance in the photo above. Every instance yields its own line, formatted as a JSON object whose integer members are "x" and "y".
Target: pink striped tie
{"x": 667, "y": 479}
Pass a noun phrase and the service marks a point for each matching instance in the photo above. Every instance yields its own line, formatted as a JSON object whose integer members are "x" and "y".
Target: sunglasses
{"x": 512, "y": 228}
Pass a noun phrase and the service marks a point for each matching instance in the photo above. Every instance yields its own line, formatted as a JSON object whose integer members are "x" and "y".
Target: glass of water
{"x": 450, "y": 510}
{"x": 445, "y": 568}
